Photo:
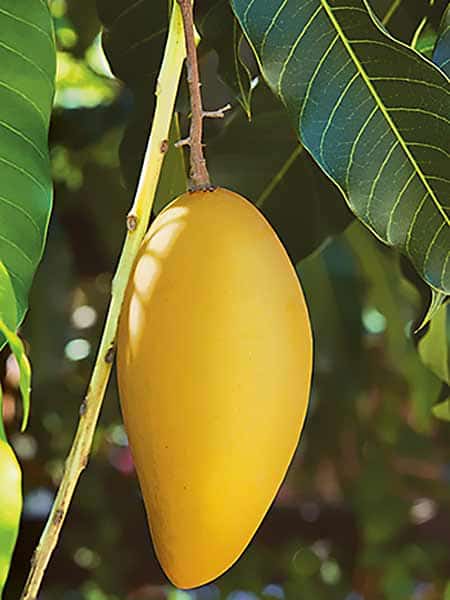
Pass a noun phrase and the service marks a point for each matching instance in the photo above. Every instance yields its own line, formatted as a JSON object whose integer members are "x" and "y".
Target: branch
{"x": 137, "y": 223}
{"x": 199, "y": 172}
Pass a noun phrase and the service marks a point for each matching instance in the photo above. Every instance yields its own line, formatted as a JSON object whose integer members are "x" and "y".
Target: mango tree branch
{"x": 137, "y": 223}
{"x": 199, "y": 172}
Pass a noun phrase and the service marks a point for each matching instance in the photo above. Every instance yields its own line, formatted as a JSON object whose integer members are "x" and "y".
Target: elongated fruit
{"x": 214, "y": 368}
{"x": 10, "y": 504}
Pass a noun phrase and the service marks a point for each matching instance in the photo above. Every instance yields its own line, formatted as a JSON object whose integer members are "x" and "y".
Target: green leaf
{"x": 425, "y": 39}
{"x": 402, "y": 18}
{"x": 302, "y": 205}
{"x": 433, "y": 347}
{"x": 8, "y": 306}
{"x": 10, "y": 504}
{"x": 370, "y": 110}
{"x": 173, "y": 180}
{"x": 437, "y": 299}
{"x": 237, "y": 149}
{"x": 133, "y": 40}
{"x": 442, "y": 411}
{"x": 7, "y": 325}
{"x": 220, "y": 31}
{"x": 27, "y": 58}
{"x": 441, "y": 53}
{"x": 386, "y": 293}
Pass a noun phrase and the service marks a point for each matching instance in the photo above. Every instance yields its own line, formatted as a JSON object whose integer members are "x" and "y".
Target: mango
{"x": 214, "y": 371}
{"x": 10, "y": 504}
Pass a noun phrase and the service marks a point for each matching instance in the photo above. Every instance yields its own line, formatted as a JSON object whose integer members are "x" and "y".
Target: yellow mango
{"x": 10, "y": 503}
{"x": 214, "y": 371}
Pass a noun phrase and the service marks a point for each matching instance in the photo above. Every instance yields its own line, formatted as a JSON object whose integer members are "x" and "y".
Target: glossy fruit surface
{"x": 10, "y": 505}
{"x": 214, "y": 369}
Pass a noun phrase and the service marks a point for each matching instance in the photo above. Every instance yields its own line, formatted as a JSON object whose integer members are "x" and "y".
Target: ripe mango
{"x": 214, "y": 371}
{"x": 10, "y": 503}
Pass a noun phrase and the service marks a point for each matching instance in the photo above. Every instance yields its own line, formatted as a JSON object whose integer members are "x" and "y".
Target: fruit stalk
{"x": 137, "y": 223}
{"x": 199, "y": 172}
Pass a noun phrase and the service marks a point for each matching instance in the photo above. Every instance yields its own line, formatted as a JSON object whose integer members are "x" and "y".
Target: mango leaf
{"x": 8, "y": 306}
{"x": 424, "y": 39}
{"x": 410, "y": 21}
{"x": 442, "y": 411}
{"x": 27, "y": 57}
{"x": 426, "y": 34}
{"x": 436, "y": 301}
{"x": 133, "y": 40}
{"x": 8, "y": 317}
{"x": 386, "y": 293}
{"x": 441, "y": 53}
{"x": 237, "y": 67}
{"x": 433, "y": 347}
{"x": 302, "y": 205}
{"x": 403, "y": 17}
{"x": 372, "y": 113}
{"x": 173, "y": 180}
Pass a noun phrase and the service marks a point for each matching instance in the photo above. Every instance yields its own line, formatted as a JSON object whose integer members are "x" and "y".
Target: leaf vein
{"x": 16, "y": 247}
{"x": 413, "y": 81}
{"x": 272, "y": 24}
{"x": 385, "y": 112}
{"x": 413, "y": 221}
{"x": 29, "y": 61}
{"x": 23, "y": 136}
{"x": 28, "y": 23}
{"x": 378, "y": 176}
{"x": 26, "y": 98}
{"x": 333, "y": 112}
{"x": 431, "y": 245}
{"x": 294, "y": 48}
{"x": 24, "y": 172}
{"x": 395, "y": 205}
{"x": 23, "y": 211}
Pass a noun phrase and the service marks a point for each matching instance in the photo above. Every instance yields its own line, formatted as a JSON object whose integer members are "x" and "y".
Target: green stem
{"x": 137, "y": 223}
{"x": 391, "y": 11}
{"x": 279, "y": 176}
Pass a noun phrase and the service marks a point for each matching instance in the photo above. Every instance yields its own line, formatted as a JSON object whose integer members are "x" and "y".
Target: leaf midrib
{"x": 327, "y": 8}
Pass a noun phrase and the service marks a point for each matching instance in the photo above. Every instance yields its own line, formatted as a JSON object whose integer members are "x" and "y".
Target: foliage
{"x": 441, "y": 53}
{"x": 26, "y": 95}
{"x": 371, "y": 113}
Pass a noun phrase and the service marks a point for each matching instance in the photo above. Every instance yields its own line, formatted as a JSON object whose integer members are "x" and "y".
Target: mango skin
{"x": 10, "y": 504}
{"x": 214, "y": 371}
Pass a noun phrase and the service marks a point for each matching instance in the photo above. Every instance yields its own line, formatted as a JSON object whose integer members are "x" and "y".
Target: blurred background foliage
{"x": 364, "y": 513}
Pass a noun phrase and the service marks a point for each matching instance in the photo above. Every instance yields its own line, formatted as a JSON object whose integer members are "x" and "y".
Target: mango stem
{"x": 199, "y": 171}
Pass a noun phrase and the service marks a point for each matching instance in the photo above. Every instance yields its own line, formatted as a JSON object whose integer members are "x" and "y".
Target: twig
{"x": 216, "y": 114}
{"x": 199, "y": 172}
{"x": 137, "y": 223}
{"x": 207, "y": 114}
